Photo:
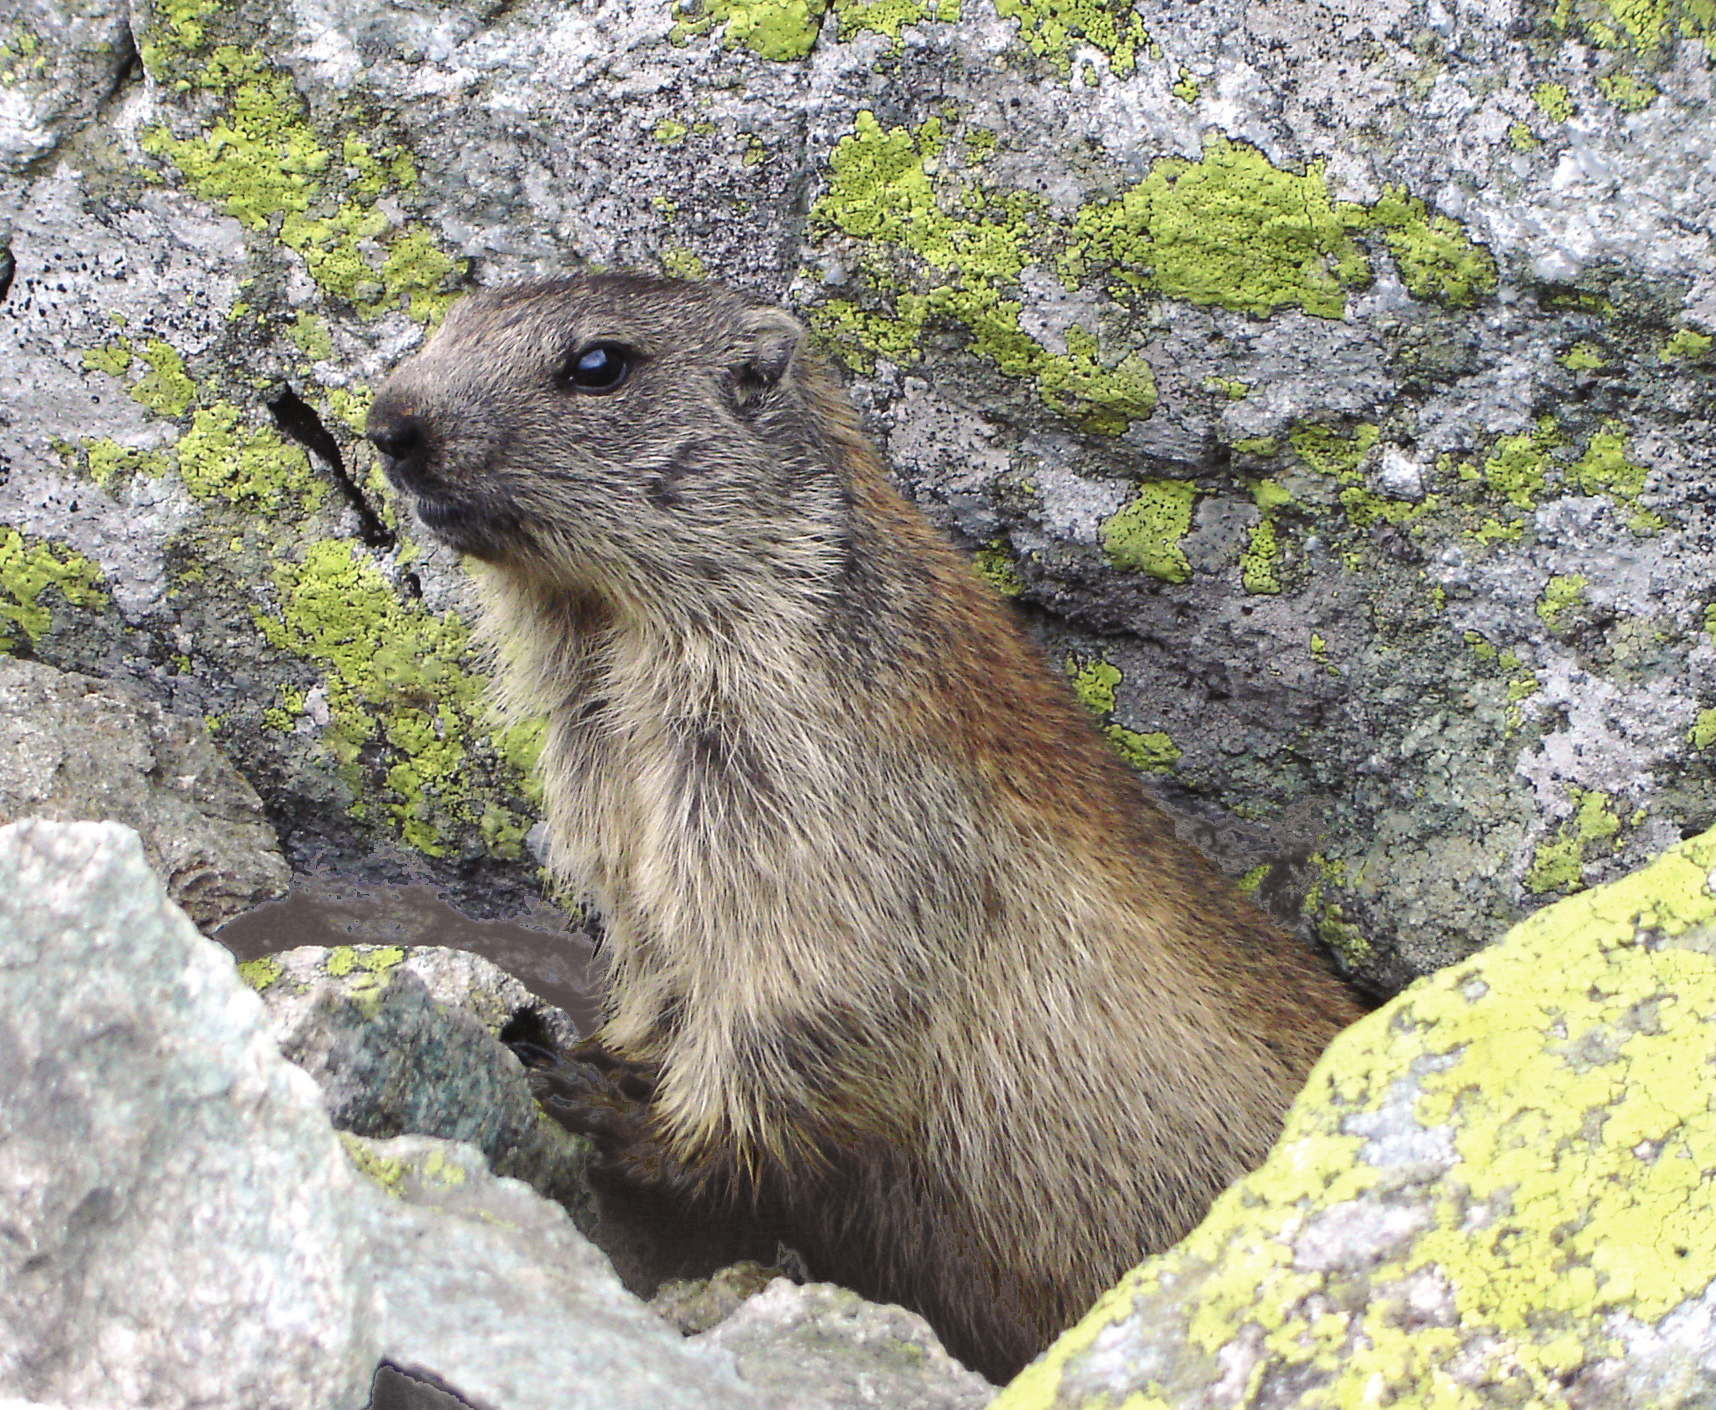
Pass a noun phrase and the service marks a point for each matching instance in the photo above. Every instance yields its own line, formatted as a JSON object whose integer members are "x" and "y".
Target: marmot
{"x": 899, "y": 942}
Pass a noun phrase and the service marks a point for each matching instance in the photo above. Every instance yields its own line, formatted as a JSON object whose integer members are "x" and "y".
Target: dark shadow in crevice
{"x": 297, "y": 420}
{"x": 394, "y": 1389}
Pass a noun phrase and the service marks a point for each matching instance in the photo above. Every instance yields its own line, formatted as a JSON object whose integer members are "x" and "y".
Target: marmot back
{"x": 910, "y": 959}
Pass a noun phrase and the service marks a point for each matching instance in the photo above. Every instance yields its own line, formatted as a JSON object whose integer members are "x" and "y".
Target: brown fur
{"x": 912, "y": 957}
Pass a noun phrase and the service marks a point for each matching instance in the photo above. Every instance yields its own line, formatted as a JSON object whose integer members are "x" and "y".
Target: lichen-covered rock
{"x": 1494, "y": 1191}
{"x": 1336, "y": 385}
{"x": 74, "y": 748}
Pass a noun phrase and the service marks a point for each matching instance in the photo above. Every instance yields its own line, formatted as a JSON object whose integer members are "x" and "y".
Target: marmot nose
{"x": 403, "y": 441}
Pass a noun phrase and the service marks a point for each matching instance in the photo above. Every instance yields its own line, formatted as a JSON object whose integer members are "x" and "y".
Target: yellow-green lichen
{"x": 1052, "y": 28}
{"x": 384, "y": 1171}
{"x": 1436, "y": 258}
{"x": 1517, "y": 468}
{"x": 1339, "y": 453}
{"x": 952, "y": 267}
{"x": 682, "y": 264}
{"x": 284, "y": 717}
{"x": 1522, "y": 688}
{"x": 436, "y": 1169}
{"x": 1257, "y": 559}
{"x": 670, "y": 132}
{"x": 362, "y": 966}
{"x": 165, "y": 388}
{"x": 1558, "y": 863}
{"x": 1230, "y": 230}
{"x": 1186, "y": 86}
{"x": 1552, "y": 101}
{"x": 112, "y": 358}
{"x": 1687, "y": 345}
{"x": 1583, "y": 357}
{"x": 1605, "y": 469}
{"x": 1560, "y": 595}
{"x": 1144, "y": 534}
{"x": 1235, "y": 231}
{"x": 351, "y": 407}
{"x": 1522, "y": 139}
{"x": 22, "y": 57}
{"x": 1569, "y": 1073}
{"x": 108, "y": 462}
{"x": 310, "y": 333}
{"x": 1150, "y": 753}
{"x": 1249, "y": 881}
{"x": 1638, "y": 28}
{"x": 889, "y": 17}
{"x": 403, "y": 703}
{"x": 1344, "y": 939}
{"x": 995, "y": 565}
{"x": 261, "y": 973}
{"x": 1629, "y": 94}
{"x": 220, "y": 458}
{"x": 263, "y": 162}
{"x": 1703, "y": 732}
{"x": 932, "y": 245}
{"x": 775, "y": 29}
{"x": 415, "y": 270}
{"x": 28, "y": 569}
{"x": 1093, "y": 683}
{"x": 1331, "y": 451}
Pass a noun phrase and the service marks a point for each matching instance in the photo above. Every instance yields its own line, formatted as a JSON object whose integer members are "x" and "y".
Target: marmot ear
{"x": 766, "y": 350}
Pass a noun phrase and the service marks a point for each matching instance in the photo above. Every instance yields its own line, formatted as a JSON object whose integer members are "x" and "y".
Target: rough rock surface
{"x": 407, "y": 1041}
{"x": 823, "y": 1344}
{"x": 504, "y": 1302}
{"x": 174, "y": 1200}
{"x": 184, "y": 1228}
{"x": 1334, "y": 382}
{"x": 1494, "y": 1191}
{"x": 75, "y": 748}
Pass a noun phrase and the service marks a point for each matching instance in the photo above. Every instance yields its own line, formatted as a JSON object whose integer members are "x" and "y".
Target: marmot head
{"x": 645, "y": 439}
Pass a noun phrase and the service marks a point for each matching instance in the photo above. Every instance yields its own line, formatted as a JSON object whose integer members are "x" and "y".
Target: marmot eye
{"x": 598, "y": 368}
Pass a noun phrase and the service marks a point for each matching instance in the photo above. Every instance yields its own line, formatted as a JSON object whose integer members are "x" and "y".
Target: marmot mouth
{"x": 467, "y": 525}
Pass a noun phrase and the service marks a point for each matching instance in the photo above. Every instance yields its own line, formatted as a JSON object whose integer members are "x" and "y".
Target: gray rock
{"x": 76, "y": 748}
{"x": 405, "y": 1040}
{"x": 61, "y": 59}
{"x": 186, "y": 1229}
{"x": 489, "y": 1290}
{"x": 177, "y": 1209}
{"x": 823, "y": 1345}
